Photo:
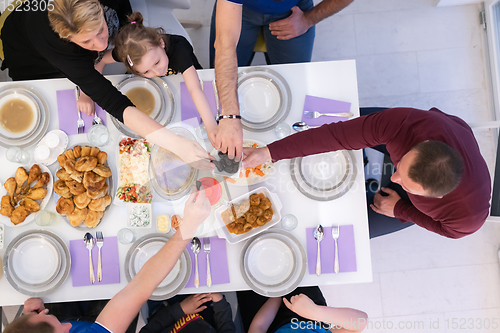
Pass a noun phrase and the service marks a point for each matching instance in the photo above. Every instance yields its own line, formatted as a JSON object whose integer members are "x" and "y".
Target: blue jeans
{"x": 298, "y": 49}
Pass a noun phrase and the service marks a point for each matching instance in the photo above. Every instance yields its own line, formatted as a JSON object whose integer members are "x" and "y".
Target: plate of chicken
{"x": 27, "y": 192}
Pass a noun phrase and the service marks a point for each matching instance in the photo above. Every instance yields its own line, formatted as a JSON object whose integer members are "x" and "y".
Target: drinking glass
{"x": 282, "y": 130}
{"x": 98, "y": 135}
{"x": 18, "y": 155}
{"x": 125, "y": 236}
{"x": 44, "y": 218}
{"x": 289, "y": 222}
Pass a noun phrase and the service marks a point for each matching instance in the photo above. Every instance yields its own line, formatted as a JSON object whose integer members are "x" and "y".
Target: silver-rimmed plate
{"x": 146, "y": 247}
{"x": 265, "y": 98}
{"x": 326, "y": 176}
{"x": 48, "y": 242}
{"x": 36, "y": 133}
{"x": 273, "y": 263}
{"x": 167, "y": 110}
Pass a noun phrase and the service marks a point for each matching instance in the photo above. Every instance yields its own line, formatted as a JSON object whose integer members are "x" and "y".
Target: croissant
{"x": 92, "y": 181}
{"x": 81, "y": 200}
{"x": 93, "y": 218}
{"x": 85, "y": 151}
{"x": 75, "y": 187}
{"x": 100, "y": 204}
{"x": 65, "y": 206}
{"x": 61, "y": 159}
{"x": 86, "y": 163}
{"x": 101, "y": 157}
{"x": 102, "y": 170}
{"x": 62, "y": 189}
{"x": 99, "y": 193}
{"x": 77, "y": 151}
{"x": 77, "y": 216}
{"x": 69, "y": 154}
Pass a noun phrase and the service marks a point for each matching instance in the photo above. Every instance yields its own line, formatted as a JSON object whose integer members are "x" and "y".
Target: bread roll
{"x": 82, "y": 200}
{"x": 100, "y": 204}
{"x": 86, "y": 163}
{"x": 101, "y": 157}
{"x": 92, "y": 181}
{"x": 93, "y": 218}
{"x": 85, "y": 151}
{"x": 99, "y": 193}
{"x": 61, "y": 159}
{"x": 77, "y": 216}
{"x": 76, "y": 175}
{"x": 69, "y": 154}
{"x": 62, "y": 174}
{"x": 65, "y": 206}
{"x": 75, "y": 187}
{"x": 94, "y": 151}
{"x": 69, "y": 166}
{"x": 62, "y": 189}
{"x": 102, "y": 170}
{"x": 77, "y": 151}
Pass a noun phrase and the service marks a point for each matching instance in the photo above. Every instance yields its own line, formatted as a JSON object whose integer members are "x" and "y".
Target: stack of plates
{"x": 325, "y": 176}
{"x": 273, "y": 263}
{"x": 146, "y": 247}
{"x": 264, "y": 97}
{"x": 36, "y": 262}
{"x": 41, "y": 116}
{"x": 164, "y": 101}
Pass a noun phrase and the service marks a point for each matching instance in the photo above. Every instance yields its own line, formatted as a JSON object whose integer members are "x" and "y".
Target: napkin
{"x": 324, "y": 105}
{"x": 218, "y": 263}
{"x": 188, "y": 109}
{"x": 347, "y": 250}
{"x": 80, "y": 273}
{"x": 68, "y": 114}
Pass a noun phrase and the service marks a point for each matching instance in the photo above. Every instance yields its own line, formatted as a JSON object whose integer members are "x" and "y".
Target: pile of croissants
{"x": 82, "y": 185}
{"x": 22, "y": 194}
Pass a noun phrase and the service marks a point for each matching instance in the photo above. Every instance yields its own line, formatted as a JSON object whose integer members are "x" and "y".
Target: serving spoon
{"x": 195, "y": 247}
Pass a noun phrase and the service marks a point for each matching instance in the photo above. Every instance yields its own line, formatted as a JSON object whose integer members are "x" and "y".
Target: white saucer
{"x": 54, "y": 152}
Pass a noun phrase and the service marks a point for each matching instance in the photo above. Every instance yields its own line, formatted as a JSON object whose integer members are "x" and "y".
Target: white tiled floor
{"x": 410, "y": 53}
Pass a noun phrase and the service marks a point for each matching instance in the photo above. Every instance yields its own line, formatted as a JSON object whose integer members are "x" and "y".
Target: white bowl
{"x": 34, "y": 108}
{"x": 139, "y": 82}
{"x": 221, "y": 229}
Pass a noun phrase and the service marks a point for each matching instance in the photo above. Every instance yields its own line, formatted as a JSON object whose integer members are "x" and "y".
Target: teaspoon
{"x": 195, "y": 247}
{"x": 302, "y": 126}
{"x": 318, "y": 235}
{"x": 89, "y": 244}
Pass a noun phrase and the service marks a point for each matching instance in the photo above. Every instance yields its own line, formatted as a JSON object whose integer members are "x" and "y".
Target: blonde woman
{"x": 64, "y": 39}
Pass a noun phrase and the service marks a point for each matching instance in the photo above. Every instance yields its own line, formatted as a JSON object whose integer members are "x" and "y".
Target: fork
{"x": 335, "y": 235}
{"x": 100, "y": 241}
{"x": 80, "y": 123}
{"x": 316, "y": 114}
{"x": 207, "y": 247}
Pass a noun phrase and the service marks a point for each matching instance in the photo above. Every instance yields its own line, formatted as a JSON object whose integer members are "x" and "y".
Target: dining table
{"x": 335, "y": 80}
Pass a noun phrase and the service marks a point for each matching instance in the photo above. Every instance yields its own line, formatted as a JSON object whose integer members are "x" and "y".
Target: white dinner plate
{"x": 6, "y": 220}
{"x": 35, "y": 260}
{"x": 273, "y": 263}
{"x": 52, "y": 283}
{"x": 146, "y": 247}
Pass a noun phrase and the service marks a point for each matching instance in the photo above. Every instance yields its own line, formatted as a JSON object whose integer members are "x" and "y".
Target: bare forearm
{"x": 325, "y": 9}
{"x": 139, "y": 122}
{"x": 342, "y": 319}
{"x": 265, "y": 316}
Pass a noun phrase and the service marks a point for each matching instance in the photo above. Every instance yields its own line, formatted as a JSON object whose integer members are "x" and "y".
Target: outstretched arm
{"x": 124, "y": 306}
{"x": 265, "y": 316}
{"x": 228, "y": 28}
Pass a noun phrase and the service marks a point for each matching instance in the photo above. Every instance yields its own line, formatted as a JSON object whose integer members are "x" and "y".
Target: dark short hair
{"x": 437, "y": 168}
{"x": 23, "y": 325}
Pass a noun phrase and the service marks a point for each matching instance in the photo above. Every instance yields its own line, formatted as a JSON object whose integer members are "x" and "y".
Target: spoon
{"x": 318, "y": 235}
{"x": 195, "y": 247}
{"x": 89, "y": 241}
{"x": 302, "y": 126}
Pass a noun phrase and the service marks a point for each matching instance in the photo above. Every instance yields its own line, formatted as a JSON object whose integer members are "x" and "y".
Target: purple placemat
{"x": 347, "y": 250}
{"x": 218, "y": 263}
{"x": 80, "y": 273}
{"x": 324, "y": 105}
{"x": 68, "y": 114}
{"x": 188, "y": 109}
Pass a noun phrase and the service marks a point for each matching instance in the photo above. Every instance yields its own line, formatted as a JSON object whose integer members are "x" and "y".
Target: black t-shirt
{"x": 34, "y": 51}
{"x": 180, "y": 54}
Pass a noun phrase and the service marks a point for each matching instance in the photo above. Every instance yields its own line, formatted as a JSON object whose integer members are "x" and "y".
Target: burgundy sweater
{"x": 457, "y": 214}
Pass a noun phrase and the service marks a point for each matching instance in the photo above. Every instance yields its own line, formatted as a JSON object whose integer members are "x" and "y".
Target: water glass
{"x": 98, "y": 135}
{"x": 18, "y": 155}
{"x": 44, "y": 218}
{"x": 125, "y": 236}
{"x": 282, "y": 130}
{"x": 289, "y": 222}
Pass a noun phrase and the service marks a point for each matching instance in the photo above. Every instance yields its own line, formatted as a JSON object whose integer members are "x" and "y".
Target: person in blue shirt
{"x": 289, "y": 30}
{"x": 125, "y": 305}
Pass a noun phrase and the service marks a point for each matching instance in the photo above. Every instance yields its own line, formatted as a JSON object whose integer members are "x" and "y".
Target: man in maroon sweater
{"x": 455, "y": 214}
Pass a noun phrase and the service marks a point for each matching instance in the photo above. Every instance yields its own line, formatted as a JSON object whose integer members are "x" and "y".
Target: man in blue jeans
{"x": 289, "y": 34}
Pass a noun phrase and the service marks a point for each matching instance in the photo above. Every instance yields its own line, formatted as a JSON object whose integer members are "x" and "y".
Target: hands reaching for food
{"x": 255, "y": 156}
{"x": 196, "y": 210}
{"x": 193, "y": 303}
{"x": 230, "y": 138}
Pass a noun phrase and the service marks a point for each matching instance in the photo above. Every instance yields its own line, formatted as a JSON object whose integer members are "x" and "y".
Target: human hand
{"x": 34, "y": 305}
{"x": 192, "y": 304}
{"x": 212, "y": 135}
{"x": 216, "y": 297}
{"x": 255, "y": 156}
{"x": 85, "y": 104}
{"x": 385, "y": 204}
{"x": 301, "y": 305}
{"x": 196, "y": 210}
{"x": 192, "y": 153}
{"x": 230, "y": 138}
{"x": 294, "y": 25}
